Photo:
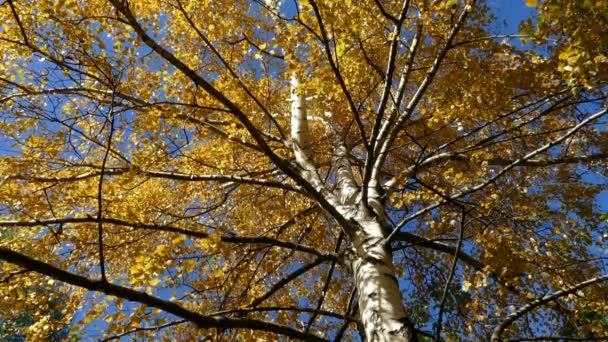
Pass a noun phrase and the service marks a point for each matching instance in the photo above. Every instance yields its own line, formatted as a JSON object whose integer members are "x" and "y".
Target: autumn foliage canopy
{"x": 308, "y": 169}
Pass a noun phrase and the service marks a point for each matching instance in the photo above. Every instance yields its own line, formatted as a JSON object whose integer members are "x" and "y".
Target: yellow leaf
{"x": 531, "y": 3}
{"x": 135, "y": 269}
{"x": 161, "y": 250}
{"x": 189, "y": 265}
{"x": 178, "y": 240}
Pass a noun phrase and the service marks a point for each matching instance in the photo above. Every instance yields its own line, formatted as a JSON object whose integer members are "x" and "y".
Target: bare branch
{"x": 450, "y": 276}
{"x": 111, "y": 120}
{"x": 419, "y": 241}
{"x": 326, "y": 286}
{"x": 456, "y": 156}
{"x": 385, "y": 13}
{"x": 136, "y": 330}
{"x": 280, "y": 284}
{"x": 550, "y": 162}
{"x": 230, "y": 69}
{"x": 386, "y": 92}
{"x": 287, "y": 308}
{"x": 500, "y": 328}
{"x": 500, "y": 173}
{"x": 388, "y": 132}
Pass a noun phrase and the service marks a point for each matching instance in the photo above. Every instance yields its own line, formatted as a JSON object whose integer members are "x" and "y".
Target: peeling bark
{"x": 380, "y": 300}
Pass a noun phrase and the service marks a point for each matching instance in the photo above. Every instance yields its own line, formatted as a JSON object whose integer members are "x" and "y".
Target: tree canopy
{"x": 307, "y": 169}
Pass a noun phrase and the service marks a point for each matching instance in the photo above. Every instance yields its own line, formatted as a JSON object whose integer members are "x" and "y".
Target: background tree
{"x": 311, "y": 169}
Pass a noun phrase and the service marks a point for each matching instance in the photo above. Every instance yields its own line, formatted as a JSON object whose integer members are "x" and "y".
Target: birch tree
{"x": 307, "y": 169}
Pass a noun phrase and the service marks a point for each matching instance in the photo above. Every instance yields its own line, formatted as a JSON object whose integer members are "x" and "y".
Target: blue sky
{"x": 512, "y": 12}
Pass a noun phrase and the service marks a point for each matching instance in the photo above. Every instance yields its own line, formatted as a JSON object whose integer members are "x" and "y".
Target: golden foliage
{"x": 99, "y": 132}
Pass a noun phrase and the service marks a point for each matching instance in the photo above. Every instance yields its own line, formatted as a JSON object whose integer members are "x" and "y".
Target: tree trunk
{"x": 370, "y": 260}
{"x": 380, "y": 300}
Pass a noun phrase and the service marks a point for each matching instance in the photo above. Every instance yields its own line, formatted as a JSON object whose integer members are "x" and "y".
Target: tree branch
{"x": 280, "y": 284}
{"x": 500, "y": 173}
{"x": 110, "y": 119}
{"x": 230, "y": 69}
{"x": 174, "y": 175}
{"x": 550, "y": 162}
{"x": 385, "y": 13}
{"x": 133, "y": 331}
{"x": 19, "y": 23}
{"x": 172, "y": 229}
{"x": 326, "y": 286}
{"x": 388, "y": 132}
{"x": 322, "y": 197}
{"x": 497, "y": 333}
{"x": 288, "y": 308}
{"x": 498, "y": 161}
{"x": 201, "y": 321}
{"x": 325, "y": 41}
{"x": 386, "y": 92}
{"x": 450, "y": 276}
{"x": 416, "y": 240}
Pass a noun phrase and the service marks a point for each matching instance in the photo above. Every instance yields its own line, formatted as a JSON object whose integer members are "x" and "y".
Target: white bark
{"x": 369, "y": 260}
{"x": 347, "y": 187}
{"x": 380, "y": 300}
{"x": 299, "y": 122}
{"x": 300, "y": 141}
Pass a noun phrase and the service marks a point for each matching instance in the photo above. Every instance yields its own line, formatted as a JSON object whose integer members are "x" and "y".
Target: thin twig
{"x": 202, "y": 321}
{"x": 337, "y": 73}
{"x": 327, "y": 282}
{"x": 133, "y": 331}
{"x": 500, "y": 328}
{"x": 451, "y": 275}
{"x": 102, "y": 265}
{"x": 499, "y": 174}
{"x": 19, "y": 23}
